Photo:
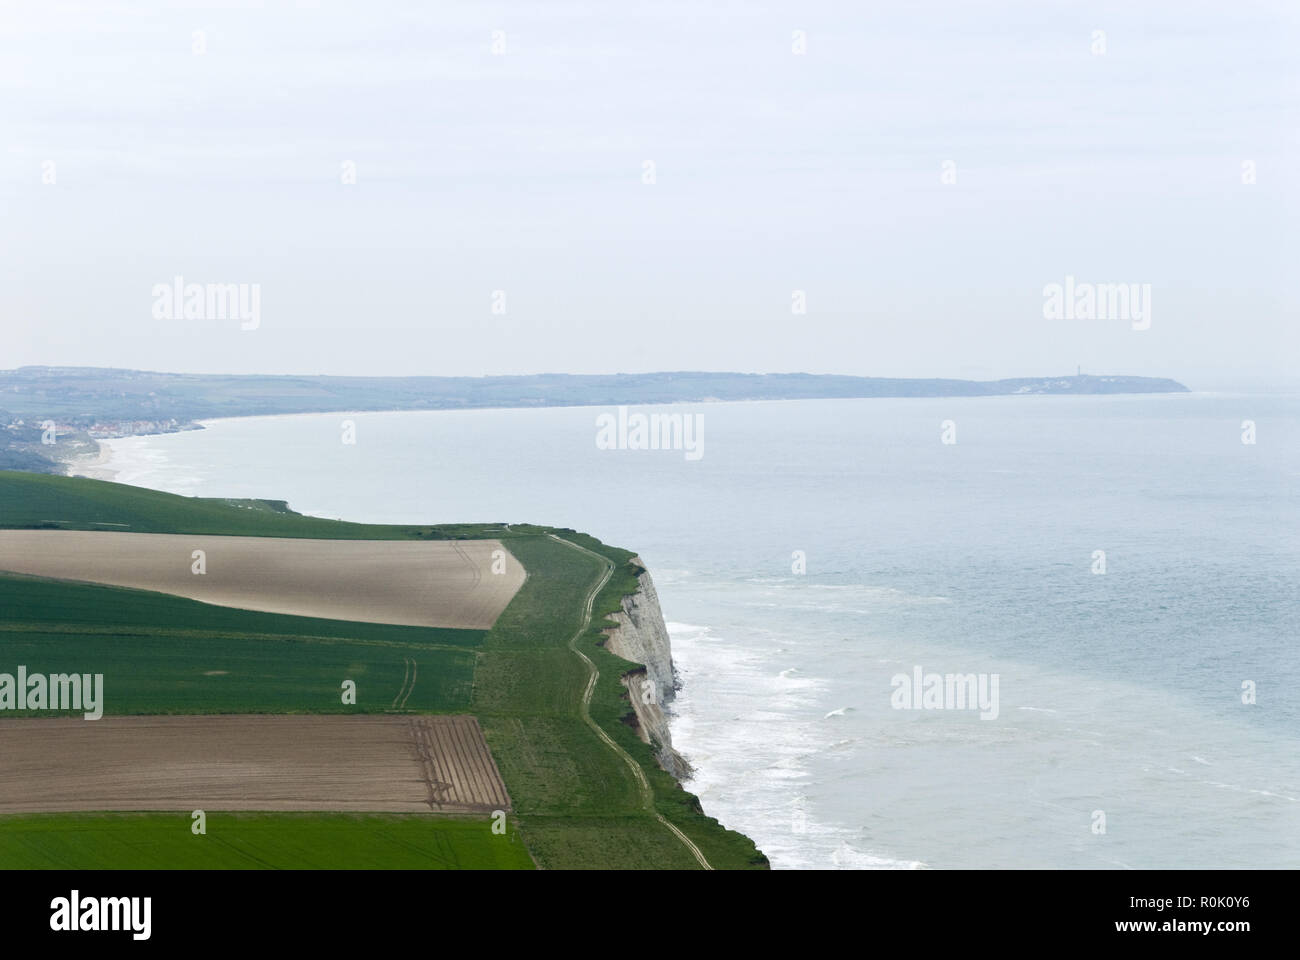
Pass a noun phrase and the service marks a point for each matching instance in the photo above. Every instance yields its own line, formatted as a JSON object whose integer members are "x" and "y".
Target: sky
{"x": 599, "y": 187}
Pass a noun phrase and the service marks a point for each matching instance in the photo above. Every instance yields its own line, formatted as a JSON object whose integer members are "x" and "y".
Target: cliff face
{"x": 642, "y": 638}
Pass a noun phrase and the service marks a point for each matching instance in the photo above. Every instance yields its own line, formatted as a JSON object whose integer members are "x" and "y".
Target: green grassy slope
{"x": 576, "y": 801}
{"x": 39, "y": 501}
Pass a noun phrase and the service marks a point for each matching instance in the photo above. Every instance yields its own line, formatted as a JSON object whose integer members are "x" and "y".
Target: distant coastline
{"x": 106, "y": 461}
{"x": 81, "y": 406}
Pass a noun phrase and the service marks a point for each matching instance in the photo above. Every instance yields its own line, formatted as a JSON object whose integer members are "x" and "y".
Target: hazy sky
{"x": 774, "y": 172}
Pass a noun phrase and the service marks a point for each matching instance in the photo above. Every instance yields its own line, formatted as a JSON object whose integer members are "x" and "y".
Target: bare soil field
{"x": 301, "y": 763}
{"x": 437, "y": 583}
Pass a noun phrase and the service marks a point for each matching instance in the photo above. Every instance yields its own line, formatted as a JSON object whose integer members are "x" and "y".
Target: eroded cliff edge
{"x": 641, "y": 637}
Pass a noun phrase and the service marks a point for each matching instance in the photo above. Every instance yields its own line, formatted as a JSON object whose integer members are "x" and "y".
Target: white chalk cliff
{"x": 642, "y": 638}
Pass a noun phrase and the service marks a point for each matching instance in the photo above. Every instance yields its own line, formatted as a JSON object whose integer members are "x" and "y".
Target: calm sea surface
{"x": 1120, "y": 694}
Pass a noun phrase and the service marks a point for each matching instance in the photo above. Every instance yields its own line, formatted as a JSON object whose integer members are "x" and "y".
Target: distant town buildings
{"x": 105, "y": 430}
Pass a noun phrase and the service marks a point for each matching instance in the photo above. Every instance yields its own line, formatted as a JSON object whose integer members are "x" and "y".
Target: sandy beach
{"x": 95, "y": 466}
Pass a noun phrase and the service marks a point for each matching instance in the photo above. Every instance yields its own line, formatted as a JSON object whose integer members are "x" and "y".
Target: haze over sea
{"x": 1119, "y": 693}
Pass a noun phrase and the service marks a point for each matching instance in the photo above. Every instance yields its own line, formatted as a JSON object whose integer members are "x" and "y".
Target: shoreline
{"x": 98, "y": 466}
{"x": 94, "y": 466}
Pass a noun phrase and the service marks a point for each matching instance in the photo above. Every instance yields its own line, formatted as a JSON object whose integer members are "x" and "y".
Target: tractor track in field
{"x": 593, "y": 675}
{"x": 404, "y": 691}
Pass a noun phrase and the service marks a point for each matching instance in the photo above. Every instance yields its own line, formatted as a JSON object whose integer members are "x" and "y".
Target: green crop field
{"x": 576, "y": 803}
{"x": 163, "y": 654}
{"x": 256, "y": 841}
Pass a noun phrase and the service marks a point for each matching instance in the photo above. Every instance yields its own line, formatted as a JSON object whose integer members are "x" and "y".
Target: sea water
{"x": 1148, "y": 702}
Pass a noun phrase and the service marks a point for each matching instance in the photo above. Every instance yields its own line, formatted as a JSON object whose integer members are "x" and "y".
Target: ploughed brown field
{"x": 438, "y": 583}
{"x": 373, "y": 764}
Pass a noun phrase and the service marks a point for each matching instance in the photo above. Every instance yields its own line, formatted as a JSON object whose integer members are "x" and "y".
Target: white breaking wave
{"x": 847, "y": 857}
